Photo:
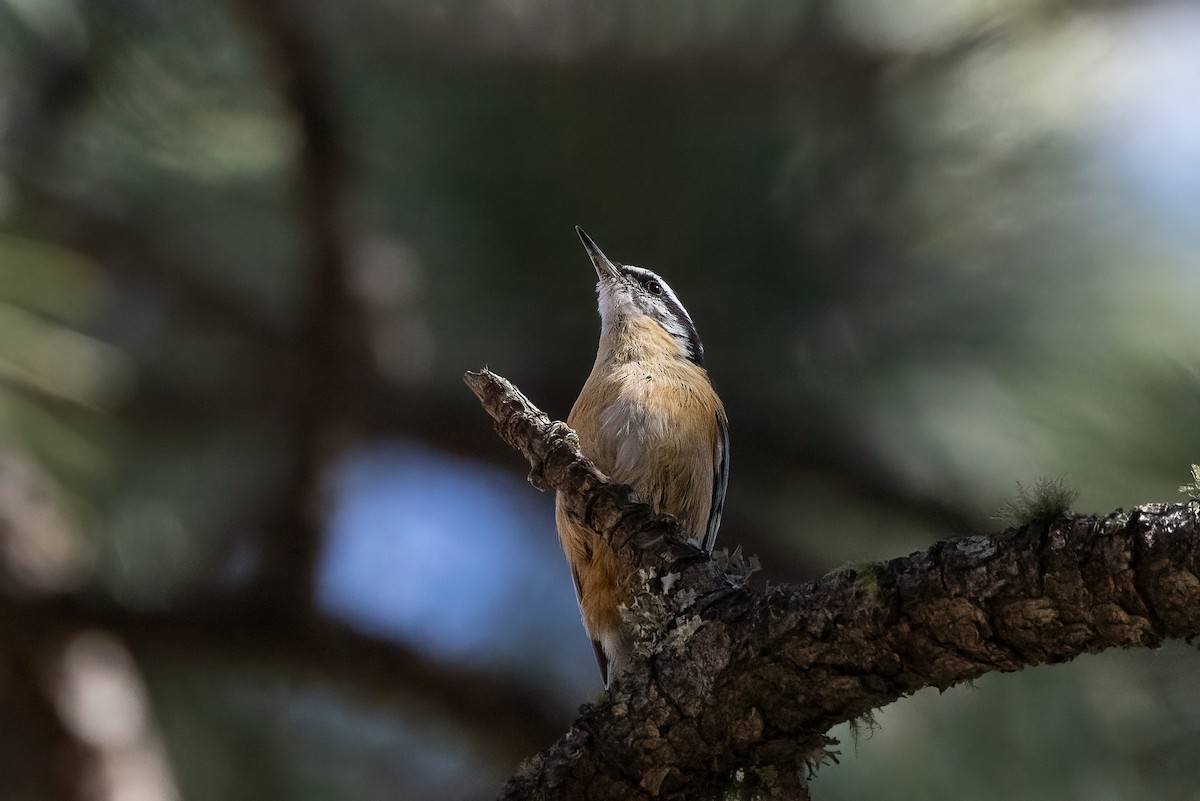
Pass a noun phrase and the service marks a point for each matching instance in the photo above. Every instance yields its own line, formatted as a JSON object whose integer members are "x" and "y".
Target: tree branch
{"x": 506, "y": 716}
{"x": 736, "y": 686}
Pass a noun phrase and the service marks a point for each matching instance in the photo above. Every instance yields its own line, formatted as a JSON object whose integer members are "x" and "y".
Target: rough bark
{"x": 736, "y": 688}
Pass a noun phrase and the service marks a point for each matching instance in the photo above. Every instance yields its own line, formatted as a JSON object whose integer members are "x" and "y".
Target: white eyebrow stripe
{"x": 683, "y": 331}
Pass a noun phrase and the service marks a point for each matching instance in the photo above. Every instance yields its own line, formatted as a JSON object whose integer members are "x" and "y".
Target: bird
{"x": 647, "y": 417}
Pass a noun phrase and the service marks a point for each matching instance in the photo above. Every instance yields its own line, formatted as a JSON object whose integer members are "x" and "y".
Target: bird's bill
{"x": 605, "y": 269}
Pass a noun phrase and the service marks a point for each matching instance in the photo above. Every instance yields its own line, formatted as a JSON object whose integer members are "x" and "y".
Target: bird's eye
{"x": 653, "y": 287}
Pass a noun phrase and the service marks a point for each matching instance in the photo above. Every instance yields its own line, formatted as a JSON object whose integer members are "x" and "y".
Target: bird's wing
{"x": 720, "y": 479}
{"x": 597, "y": 646}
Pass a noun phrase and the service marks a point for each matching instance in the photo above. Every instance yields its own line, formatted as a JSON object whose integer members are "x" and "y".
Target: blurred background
{"x": 257, "y": 540}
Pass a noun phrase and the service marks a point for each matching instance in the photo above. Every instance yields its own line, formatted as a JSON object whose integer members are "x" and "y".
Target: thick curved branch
{"x": 740, "y": 686}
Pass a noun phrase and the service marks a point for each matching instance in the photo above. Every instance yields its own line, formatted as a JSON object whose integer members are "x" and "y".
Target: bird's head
{"x": 630, "y": 294}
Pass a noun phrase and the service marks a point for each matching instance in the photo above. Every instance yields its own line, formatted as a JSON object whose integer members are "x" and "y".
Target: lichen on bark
{"x": 735, "y": 688}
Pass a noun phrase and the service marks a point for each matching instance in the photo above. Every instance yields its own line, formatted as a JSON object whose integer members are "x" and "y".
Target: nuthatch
{"x": 647, "y": 417}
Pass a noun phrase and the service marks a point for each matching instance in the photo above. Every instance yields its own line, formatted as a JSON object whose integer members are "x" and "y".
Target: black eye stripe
{"x": 653, "y": 285}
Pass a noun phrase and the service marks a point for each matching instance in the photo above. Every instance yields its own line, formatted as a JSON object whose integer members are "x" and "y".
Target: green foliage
{"x": 1050, "y": 498}
{"x": 909, "y": 286}
{"x": 1108, "y": 726}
